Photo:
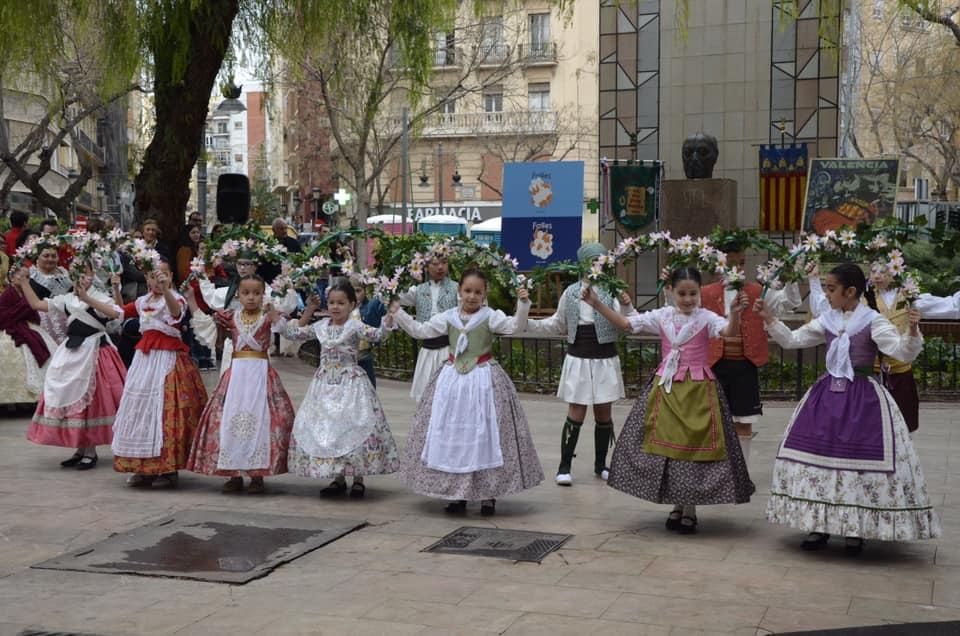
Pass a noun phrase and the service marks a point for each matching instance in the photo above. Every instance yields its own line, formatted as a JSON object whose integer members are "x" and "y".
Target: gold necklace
{"x": 249, "y": 319}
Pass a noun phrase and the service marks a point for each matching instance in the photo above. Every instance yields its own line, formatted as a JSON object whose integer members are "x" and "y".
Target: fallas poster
{"x": 542, "y": 211}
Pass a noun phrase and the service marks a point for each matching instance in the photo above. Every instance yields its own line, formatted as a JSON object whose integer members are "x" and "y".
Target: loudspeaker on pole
{"x": 233, "y": 198}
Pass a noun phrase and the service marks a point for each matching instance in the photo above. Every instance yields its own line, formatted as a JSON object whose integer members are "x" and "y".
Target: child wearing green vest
{"x": 470, "y": 440}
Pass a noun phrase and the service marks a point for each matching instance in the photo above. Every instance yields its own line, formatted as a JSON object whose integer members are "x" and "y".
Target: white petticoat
{"x": 429, "y": 362}
{"x": 590, "y": 381}
{"x": 138, "y": 426}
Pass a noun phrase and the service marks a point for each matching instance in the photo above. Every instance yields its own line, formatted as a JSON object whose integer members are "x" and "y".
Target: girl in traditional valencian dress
{"x": 84, "y": 380}
{"x": 894, "y": 303}
{"x": 470, "y": 440}
{"x": 245, "y": 428}
{"x": 679, "y": 443}
{"x": 340, "y": 429}
{"x": 847, "y": 465}
{"x": 25, "y": 349}
{"x": 164, "y": 394}
{"x": 211, "y": 302}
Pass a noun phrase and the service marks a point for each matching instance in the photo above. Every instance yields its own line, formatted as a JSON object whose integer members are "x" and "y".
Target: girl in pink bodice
{"x": 679, "y": 444}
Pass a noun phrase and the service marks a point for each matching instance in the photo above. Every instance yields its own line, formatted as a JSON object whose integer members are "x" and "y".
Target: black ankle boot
{"x": 568, "y": 445}
{"x": 602, "y": 439}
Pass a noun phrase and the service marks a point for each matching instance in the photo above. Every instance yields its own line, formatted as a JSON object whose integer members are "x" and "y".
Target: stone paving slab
{"x": 622, "y": 573}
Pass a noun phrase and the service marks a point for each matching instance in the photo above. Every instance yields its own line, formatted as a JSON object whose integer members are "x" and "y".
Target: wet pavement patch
{"x": 516, "y": 545}
{"x": 206, "y": 545}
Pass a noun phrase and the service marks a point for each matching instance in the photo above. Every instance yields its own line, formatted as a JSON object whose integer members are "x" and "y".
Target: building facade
{"x": 99, "y": 141}
{"x": 533, "y": 97}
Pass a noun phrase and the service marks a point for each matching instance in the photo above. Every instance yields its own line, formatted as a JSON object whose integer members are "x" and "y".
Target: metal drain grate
{"x": 516, "y": 545}
{"x": 221, "y": 547}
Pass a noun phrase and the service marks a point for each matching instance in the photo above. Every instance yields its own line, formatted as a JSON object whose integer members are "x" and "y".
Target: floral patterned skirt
{"x": 343, "y": 391}
{"x": 850, "y": 503}
{"x": 521, "y": 466}
{"x": 91, "y": 424}
{"x": 206, "y": 444}
{"x": 674, "y": 481}
{"x": 184, "y": 397}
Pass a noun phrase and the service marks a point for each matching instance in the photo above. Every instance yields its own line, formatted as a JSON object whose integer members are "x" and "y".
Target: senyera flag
{"x": 783, "y": 181}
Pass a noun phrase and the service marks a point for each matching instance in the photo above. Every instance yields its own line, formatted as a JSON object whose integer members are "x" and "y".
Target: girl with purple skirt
{"x": 846, "y": 465}
{"x": 679, "y": 444}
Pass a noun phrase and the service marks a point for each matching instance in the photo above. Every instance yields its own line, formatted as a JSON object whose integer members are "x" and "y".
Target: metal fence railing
{"x": 534, "y": 363}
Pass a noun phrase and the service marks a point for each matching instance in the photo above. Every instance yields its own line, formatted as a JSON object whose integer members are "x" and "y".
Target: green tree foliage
{"x": 179, "y": 47}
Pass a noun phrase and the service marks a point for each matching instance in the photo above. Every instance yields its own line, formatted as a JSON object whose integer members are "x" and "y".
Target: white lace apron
{"x": 71, "y": 375}
{"x": 245, "y": 427}
{"x": 463, "y": 436}
{"x": 138, "y": 427}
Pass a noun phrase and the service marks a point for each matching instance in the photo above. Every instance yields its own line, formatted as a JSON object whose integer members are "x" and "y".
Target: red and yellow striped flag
{"x": 783, "y": 181}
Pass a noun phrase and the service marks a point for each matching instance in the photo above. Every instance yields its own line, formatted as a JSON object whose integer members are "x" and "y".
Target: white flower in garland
{"x": 734, "y": 277}
{"x": 848, "y": 238}
{"x": 198, "y": 266}
{"x": 910, "y": 287}
{"x": 811, "y": 243}
{"x": 878, "y": 243}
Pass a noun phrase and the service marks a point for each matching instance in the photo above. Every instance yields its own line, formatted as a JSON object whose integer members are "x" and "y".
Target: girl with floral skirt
{"x": 84, "y": 380}
{"x": 340, "y": 429}
{"x": 164, "y": 394}
{"x": 846, "y": 464}
{"x": 470, "y": 440}
{"x": 245, "y": 428}
{"x": 679, "y": 444}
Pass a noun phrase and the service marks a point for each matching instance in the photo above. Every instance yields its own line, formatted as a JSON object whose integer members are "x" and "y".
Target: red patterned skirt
{"x": 90, "y": 424}
{"x": 206, "y": 444}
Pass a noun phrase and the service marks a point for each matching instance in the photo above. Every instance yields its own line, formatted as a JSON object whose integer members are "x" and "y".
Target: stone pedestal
{"x": 696, "y": 206}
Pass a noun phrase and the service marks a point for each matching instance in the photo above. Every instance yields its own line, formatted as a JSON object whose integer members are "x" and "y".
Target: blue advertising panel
{"x": 542, "y": 211}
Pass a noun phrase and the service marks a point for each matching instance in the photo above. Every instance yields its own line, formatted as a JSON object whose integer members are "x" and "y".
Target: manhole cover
{"x": 222, "y": 547}
{"x": 516, "y": 545}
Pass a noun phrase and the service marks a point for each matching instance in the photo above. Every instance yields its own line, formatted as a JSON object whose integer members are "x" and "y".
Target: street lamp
{"x": 73, "y": 175}
{"x": 425, "y": 179}
{"x": 101, "y": 189}
{"x": 316, "y": 204}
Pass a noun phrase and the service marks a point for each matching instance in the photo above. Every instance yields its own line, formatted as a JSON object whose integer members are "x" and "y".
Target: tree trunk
{"x": 181, "y": 101}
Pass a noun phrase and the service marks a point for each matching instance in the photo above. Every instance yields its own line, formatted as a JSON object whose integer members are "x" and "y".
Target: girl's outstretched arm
{"x": 615, "y": 318}
{"x": 21, "y": 280}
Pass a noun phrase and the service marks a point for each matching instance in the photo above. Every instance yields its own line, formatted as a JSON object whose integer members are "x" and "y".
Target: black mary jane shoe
{"x": 853, "y": 545}
{"x": 87, "y": 463}
{"x": 815, "y": 541}
{"x": 73, "y": 461}
{"x": 688, "y": 525}
{"x": 335, "y": 489}
{"x": 488, "y": 507}
{"x": 357, "y": 491}
{"x": 673, "y": 520}
{"x": 456, "y": 507}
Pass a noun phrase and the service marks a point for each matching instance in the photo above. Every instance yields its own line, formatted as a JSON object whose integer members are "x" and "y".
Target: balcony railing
{"x": 471, "y": 124}
{"x": 538, "y": 53}
{"x": 492, "y": 54}
{"x": 89, "y": 147}
{"x": 446, "y": 56}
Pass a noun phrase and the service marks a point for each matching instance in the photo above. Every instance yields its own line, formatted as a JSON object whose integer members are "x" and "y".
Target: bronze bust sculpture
{"x": 700, "y": 154}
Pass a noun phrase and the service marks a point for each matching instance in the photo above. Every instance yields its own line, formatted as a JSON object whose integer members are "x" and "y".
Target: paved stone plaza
{"x": 622, "y": 573}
